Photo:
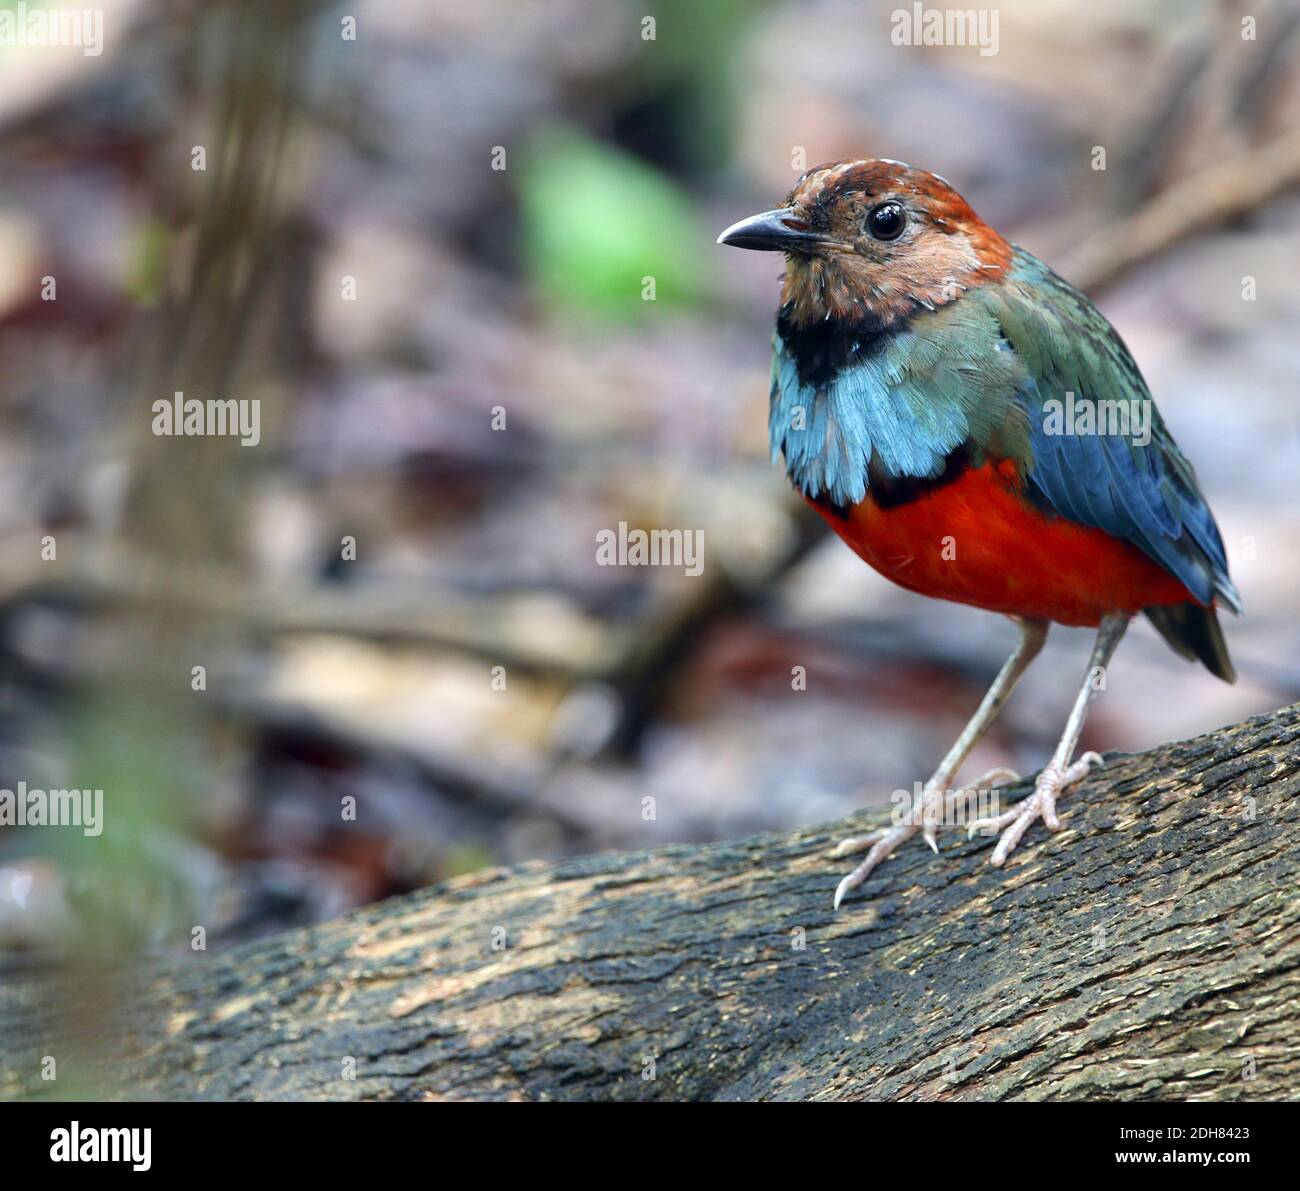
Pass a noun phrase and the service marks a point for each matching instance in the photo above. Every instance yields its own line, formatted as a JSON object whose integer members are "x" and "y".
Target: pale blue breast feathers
{"x": 874, "y": 412}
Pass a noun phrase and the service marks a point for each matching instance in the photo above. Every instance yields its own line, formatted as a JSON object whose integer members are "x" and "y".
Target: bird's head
{"x": 871, "y": 242}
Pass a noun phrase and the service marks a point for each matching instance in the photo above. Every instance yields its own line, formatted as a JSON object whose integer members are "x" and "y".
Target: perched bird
{"x": 971, "y": 426}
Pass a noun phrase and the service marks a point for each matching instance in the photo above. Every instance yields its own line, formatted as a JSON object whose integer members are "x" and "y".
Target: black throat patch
{"x": 821, "y": 351}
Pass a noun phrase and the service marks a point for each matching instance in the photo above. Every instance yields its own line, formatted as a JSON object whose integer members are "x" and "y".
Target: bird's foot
{"x": 1041, "y": 804}
{"x": 877, "y": 846}
{"x": 926, "y": 820}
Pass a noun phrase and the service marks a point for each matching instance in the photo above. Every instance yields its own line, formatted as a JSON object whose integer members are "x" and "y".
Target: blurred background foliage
{"x": 600, "y": 228}
{"x": 500, "y": 389}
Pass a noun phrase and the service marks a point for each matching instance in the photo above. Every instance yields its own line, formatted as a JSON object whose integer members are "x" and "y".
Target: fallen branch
{"x": 1150, "y": 950}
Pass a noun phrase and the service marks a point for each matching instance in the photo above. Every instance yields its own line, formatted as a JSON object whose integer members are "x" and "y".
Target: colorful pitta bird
{"x": 973, "y": 428}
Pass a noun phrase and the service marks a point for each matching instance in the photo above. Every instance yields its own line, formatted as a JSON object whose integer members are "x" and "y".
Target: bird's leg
{"x": 1059, "y": 772}
{"x": 927, "y": 810}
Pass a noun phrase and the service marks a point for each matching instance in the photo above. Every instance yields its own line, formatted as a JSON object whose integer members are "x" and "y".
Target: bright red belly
{"x": 976, "y": 541}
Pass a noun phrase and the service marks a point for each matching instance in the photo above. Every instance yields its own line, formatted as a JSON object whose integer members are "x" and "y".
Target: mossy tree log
{"x": 1150, "y": 949}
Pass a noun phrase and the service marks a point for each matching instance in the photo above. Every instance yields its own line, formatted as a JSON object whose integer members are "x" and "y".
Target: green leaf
{"x": 597, "y": 223}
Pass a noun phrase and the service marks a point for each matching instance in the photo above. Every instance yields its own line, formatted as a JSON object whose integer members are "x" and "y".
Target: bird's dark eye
{"x": 886, "y": 222}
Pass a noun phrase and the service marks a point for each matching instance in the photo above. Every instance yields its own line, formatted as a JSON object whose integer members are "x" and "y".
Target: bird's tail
{"x": 1193, "y": 631}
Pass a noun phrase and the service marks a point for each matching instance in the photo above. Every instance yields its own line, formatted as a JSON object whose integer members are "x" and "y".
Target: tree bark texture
{"x": 1151, "y": 949}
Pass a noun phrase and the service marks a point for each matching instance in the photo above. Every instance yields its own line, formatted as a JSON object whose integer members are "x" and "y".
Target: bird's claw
{"x": 856, "y": 843}
{"x": 1052, "y": 782}
{"x": 880, "y": 844}
{"x": 926, "y": 818}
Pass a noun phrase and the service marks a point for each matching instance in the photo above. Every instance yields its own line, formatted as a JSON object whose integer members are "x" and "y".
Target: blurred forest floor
{"x": 498, "y": 392}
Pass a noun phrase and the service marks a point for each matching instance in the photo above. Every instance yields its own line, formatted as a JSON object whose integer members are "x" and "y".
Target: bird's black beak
{"x": 773, "y": 231}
